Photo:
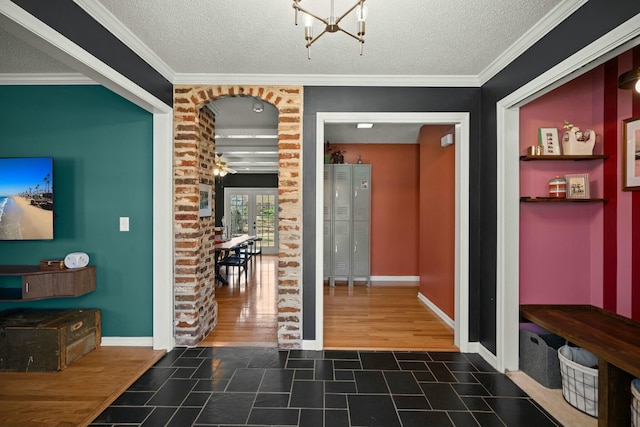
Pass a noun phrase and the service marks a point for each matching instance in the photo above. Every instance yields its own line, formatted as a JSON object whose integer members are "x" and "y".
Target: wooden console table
{"x": 613, "y": 338}
{"x": 43, "y": 284}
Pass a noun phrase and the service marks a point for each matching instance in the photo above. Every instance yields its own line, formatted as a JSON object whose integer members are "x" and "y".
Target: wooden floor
{"x": 381, "y": 317}
{"x": 76, "y": 395}
{"x": 248, "y": 313}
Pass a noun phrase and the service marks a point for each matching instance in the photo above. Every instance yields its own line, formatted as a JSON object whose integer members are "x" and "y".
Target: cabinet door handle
{"x": 26, "y": 290}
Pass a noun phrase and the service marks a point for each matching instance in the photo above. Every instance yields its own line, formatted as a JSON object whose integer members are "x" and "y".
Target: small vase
{"x": 575, "y": 145}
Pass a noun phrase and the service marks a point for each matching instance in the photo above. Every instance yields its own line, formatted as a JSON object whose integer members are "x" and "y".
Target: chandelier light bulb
{"x": 638, "y": 86}
{"x": 307, "y": 20}
{"x": 362, "y": 12}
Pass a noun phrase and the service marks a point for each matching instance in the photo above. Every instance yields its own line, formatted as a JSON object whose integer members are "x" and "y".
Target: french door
{"x": 253, "y": 211}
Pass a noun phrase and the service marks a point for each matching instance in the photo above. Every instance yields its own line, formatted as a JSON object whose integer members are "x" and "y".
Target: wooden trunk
{"x": 46, "y": 339}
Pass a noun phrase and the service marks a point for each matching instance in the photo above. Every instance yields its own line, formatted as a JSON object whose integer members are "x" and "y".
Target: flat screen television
{"x": 26, "y": 198}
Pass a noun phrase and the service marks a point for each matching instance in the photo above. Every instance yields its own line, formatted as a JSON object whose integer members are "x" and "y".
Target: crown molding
{"x": 21, "y": 23}
{"x": 102, "y": 15}
{"x": 328, "y": 80}
{"x": 45, "y": 79}
{"x": 528, "y": 39}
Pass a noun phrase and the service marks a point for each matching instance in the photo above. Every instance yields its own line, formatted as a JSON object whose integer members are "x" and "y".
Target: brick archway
{"x": 195, "y": 307}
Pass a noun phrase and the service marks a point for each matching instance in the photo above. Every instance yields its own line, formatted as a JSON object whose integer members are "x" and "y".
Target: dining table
{"x": 222, "y": 247}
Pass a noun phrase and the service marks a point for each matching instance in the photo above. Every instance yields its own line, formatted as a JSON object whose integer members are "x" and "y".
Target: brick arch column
{"x": 195, "y": 306}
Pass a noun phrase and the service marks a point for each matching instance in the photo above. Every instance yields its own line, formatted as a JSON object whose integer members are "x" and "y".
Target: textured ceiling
{"x": 412, "y": 37}
{"x": 413, "y": 42}
{"x": 18, "y": 57}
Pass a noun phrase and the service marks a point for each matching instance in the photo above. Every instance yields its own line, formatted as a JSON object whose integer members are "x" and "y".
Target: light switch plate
{"x": 124, "y": 223}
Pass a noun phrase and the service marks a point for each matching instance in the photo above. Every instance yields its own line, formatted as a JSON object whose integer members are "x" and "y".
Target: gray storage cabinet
{"x": 347, "y": 223}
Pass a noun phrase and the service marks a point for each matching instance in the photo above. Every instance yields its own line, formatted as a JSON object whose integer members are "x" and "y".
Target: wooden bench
{"x": 613, "y": 338}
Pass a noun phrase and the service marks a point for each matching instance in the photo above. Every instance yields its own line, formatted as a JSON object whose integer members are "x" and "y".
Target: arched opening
{"x": 246, "y": 204}
{"x": 195, "y": 307}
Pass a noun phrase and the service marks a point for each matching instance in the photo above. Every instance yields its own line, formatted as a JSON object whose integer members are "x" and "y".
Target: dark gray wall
{"x": 383, "y": 99}
{"x": 241, "y": 180}
{"x": 73, "y": 22}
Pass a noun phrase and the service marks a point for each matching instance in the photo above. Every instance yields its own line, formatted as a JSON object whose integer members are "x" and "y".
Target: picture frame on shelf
{"x": 205, "y": 200}
{"x": 578, "y": 186}
{"x": 631, "y": 154}
{"x": 548, "y": 139}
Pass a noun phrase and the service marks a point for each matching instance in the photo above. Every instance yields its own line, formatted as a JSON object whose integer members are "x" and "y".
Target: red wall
{"x": 437, "y": 218}
{"x": 394, "y": 205}
{"x": 581, "y": 253}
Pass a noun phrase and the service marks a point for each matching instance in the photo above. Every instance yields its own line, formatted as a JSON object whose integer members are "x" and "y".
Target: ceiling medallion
{"x": 332, "y": 23}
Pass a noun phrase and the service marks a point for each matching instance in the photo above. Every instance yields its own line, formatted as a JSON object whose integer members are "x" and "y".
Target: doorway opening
{"x": 460, "y": 121}
{"x": 389, "y": 237}
{"x": 246, "y": 193}
{"x": 508, "y": 177}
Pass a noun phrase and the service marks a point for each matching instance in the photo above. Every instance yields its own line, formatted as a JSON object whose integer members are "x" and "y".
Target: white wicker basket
{"x": 579, "y": 385}
{"x": 635, "y": 403}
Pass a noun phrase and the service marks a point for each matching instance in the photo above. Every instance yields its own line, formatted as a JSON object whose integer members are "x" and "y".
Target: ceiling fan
{"x": 221, "y": 168}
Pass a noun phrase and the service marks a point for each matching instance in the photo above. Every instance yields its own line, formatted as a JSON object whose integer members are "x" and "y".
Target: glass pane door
{"x": 253, "y": 211}
{"x": 239, "y": 214}
{"x": 265, "y": 221}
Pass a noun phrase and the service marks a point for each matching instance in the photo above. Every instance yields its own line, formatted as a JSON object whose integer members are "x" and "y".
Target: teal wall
{"x": 102, "y": 149}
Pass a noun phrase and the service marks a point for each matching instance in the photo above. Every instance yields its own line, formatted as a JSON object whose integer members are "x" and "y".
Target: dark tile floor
{"x": 216, "y": 386}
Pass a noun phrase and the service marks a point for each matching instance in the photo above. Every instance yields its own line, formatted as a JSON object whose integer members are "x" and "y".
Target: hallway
{"x": 247, "y": 312}
{"x": 381, "y": 317}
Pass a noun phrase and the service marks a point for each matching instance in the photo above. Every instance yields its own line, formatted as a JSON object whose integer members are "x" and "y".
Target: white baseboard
{"x": 395, "y": 279}
{"x": 476, "y": 347}
{"x": 441, "y": 314}
{"x": 311, "y": 345}
{"x": 127, "y": 341}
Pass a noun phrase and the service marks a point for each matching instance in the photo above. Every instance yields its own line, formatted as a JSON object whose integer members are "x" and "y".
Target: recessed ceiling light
{"x": 364, "y": 125}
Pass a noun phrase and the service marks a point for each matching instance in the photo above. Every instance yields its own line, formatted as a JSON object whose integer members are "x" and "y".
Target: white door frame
{"x": 461, "y": 122}
{"x": 608, "y": 46}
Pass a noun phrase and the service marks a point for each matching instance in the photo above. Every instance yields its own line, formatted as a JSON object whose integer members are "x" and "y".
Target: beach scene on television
{"x": 26, "y": 198}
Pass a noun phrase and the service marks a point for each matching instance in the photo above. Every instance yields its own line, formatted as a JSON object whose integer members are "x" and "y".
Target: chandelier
{"x": 332, "y": 23}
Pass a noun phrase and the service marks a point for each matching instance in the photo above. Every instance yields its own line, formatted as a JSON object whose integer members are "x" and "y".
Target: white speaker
{"x": 76, "y": 260}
